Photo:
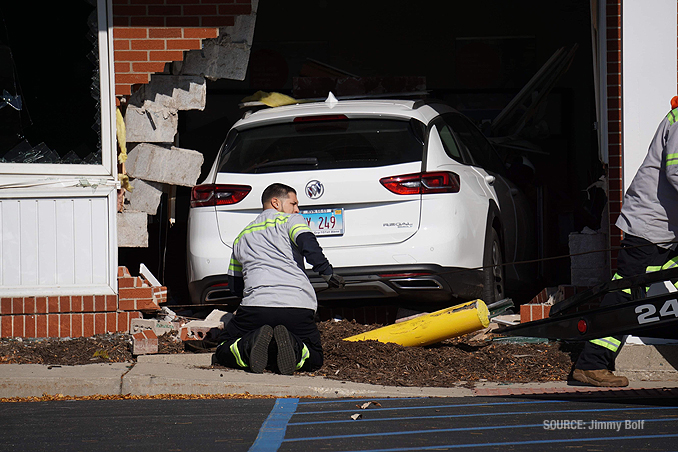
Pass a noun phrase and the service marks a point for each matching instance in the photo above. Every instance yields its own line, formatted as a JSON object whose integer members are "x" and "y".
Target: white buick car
{"x": 408, "y": 199}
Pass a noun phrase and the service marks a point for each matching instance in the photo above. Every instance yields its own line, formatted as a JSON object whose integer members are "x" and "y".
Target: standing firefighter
{"x": 649, "y": 219}
{"x": 278, "y": 305}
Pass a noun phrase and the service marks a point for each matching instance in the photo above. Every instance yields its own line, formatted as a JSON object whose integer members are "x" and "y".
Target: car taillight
{"x": 422, "y": 183}
{"x": 218, "y": 195}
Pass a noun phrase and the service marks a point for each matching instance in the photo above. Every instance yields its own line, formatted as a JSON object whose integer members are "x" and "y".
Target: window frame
{"x": 108, "y": 166}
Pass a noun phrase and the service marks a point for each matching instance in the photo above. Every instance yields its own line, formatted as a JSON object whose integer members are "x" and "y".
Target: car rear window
{"x": 321, "y": 143}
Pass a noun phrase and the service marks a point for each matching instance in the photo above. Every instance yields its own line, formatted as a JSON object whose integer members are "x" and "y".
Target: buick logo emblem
{"x": 314, "y": 189}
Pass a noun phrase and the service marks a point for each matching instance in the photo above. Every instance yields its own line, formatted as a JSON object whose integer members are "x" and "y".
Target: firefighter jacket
{"x": 269, "y": 257}
{"x": 650, "y": 206}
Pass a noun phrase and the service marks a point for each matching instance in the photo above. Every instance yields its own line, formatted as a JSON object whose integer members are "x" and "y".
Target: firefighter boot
{"x": 599, "y": 377}
{"x": 254, "y": 348}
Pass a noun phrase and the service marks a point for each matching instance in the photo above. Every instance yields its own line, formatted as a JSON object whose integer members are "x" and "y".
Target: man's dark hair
{"x": 280, "y": 191}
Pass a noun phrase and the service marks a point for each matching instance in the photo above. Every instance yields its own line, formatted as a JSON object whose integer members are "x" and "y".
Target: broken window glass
{"x": 50, "y": 97}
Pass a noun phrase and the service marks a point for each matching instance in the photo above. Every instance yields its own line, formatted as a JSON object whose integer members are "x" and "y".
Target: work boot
{"x": 258, "y": 349}
{"x": 287, "y": 357}
{"x": 599, "y": 377}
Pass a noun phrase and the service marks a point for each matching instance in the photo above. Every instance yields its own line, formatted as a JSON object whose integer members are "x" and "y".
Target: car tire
{"x": 493, "y": 269}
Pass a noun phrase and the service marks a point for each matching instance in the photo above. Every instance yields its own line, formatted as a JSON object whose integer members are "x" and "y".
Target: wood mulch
{"x": 458, "y": 361}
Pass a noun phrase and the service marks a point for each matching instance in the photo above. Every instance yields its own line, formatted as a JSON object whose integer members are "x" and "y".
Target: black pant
{"x": 635, "y": 256}
{"x": 248, "y": 319}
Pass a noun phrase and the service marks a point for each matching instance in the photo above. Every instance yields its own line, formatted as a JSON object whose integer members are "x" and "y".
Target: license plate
{"x": 325, "y": 221}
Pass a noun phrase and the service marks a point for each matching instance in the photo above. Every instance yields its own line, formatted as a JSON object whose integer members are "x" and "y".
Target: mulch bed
{"x": 458, "y": 361}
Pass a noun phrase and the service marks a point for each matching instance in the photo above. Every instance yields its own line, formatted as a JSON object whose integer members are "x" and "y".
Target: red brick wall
{"x": 149, "y": 33}
{"x": 614, "y": 110}
{"x": 80, "y": 316}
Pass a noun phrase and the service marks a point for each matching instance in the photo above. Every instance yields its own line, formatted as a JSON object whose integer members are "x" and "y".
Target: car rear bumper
{"x": 412, "y": 283}
{"x": 416, "y": 283}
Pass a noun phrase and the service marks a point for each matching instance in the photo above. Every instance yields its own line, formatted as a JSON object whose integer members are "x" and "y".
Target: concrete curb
{"x": 191, "y": 374}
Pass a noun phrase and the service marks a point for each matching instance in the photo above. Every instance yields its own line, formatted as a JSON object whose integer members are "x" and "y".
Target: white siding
{"x": 57, "y": 245}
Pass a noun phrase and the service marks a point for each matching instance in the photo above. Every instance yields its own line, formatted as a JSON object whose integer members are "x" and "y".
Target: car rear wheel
{"x": 493, "y": 269}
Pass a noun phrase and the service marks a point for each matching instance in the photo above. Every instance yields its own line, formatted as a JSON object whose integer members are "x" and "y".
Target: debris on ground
{"x": 459, "y": 361}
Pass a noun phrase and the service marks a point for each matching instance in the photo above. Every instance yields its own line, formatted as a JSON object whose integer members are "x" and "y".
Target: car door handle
{"x": 490, "y": 180}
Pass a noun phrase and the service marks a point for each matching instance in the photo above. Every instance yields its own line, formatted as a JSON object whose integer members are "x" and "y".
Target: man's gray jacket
{"x": 269, "y": 255}
{"x": 650, "y": 207}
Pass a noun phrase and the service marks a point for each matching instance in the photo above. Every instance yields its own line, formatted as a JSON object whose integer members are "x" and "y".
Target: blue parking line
{"x": 272, "y": 432}
{"x": 463, "y": 405}
{"x": 445, "y": 430}
{"x": 515, "y": 443}
{"x": 391, "y": 419}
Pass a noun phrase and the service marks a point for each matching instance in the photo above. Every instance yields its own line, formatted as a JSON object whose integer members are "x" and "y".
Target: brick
{"x": 129, "y": 33}
{"x": 235, "y": 9}
{"x": 88, "y": 303}
{"x": 65, "y": 304}
{"x": 17, "y": 305}
{"x": 121, "y": 22}
{"x": 165, "y": 33}
{"x": 525, "y": 313}
{"x": 182, "y": 21}
{"x": 111, "y": 322}
{"x": 99, "y": 303}
{"x": 165, "y": 55}
{"x": 184, "y": 44}
{"x": 131, "y": 55}
{"x": 111, "y": 302}
{"x": 5, "y": 305}
{"x": 29, "y": 305}
{"x": 121, "y": 44}
{"x": 6, "y": 326}
{"x": 200, "y": 33}
{"x": 155, "y": 66}
{"x": 132, "y": 78}
{"x": 88, "y": 325}
{"x": 201, "y": 10}
{"x": 148, "y": 44}
{"x": 64, "y": 325}
{"x": 127, "y": 305}
{"x": 122, "y": 67}
{"x": 41, "y": 326}
{"x": 76, "y": 303}
{"x": 52, "y": 304}
{"x": 76, "y": 325}
{"x": 135, "y": 293}
{"x": 122, "y": 10}
{"x": 144, "y": 342}
{"x": 123, "y": 321}
{"x": 147, "y": 21}
{"x": 99, "y": 323}
{"x": 123, "y": 271}
{"x": 147, "y": 304}
{"x": 218, "y": 21}
{"x": 29, "y": 325}
{"x": 165, "y": 10}
{"x": 53, "y": 325}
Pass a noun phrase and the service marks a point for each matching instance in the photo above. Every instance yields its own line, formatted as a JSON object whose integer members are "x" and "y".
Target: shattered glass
{"x": 50, "y": 99}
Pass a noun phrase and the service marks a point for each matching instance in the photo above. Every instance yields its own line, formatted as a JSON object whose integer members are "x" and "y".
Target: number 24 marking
{"x": 647, "y": 311}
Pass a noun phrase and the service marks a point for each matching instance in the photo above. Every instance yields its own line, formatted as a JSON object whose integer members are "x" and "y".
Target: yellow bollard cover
{"x": 434, "y": 327}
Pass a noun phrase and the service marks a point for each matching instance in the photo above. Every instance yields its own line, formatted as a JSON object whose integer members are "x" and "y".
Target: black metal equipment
{"x": 654, "y": 316}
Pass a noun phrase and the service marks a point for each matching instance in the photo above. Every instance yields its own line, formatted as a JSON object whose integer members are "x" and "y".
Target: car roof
{"x": 423, "y": 110}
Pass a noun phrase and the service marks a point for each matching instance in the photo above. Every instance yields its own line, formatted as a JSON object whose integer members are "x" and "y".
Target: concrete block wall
{"x": 78, "y": 315}
{"x": 149, "y": 33}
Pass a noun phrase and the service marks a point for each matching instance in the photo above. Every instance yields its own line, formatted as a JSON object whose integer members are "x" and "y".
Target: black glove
{"x": 334, "y": 281}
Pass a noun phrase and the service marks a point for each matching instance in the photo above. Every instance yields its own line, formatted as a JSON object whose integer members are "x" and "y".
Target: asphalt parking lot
{"x": 559, "y": 422}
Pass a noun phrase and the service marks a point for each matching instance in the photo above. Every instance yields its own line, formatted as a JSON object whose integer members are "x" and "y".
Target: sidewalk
{"x": 191, "y": 374}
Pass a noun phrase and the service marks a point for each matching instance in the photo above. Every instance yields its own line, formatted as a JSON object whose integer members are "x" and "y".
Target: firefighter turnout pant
{"x": 240, "y": 332}
{"x": 636, "y": 257}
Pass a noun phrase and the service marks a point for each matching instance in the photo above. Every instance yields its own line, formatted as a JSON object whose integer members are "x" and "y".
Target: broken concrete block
{"x": 180, "y": 92}
{"x": 132, "y": 229}
{"x": 153, "y": 122}
{"x": 144, "y": 343}
{"x": 145, "y": 197}
{"x": 159, "y": 327}
{"x": 202, "y": 329}
{"x": 174, "y": 166}
{"x": 218, "y": 60}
